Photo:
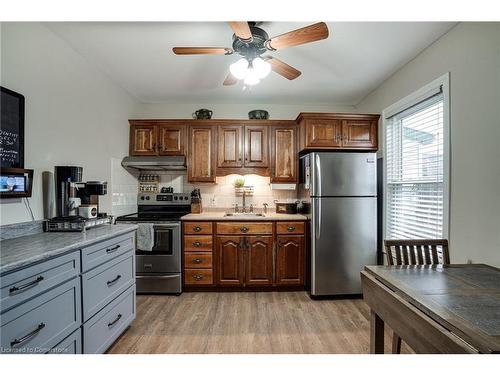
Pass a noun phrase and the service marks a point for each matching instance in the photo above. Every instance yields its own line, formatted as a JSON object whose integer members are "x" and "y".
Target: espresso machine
{"x": 77, "y": 202}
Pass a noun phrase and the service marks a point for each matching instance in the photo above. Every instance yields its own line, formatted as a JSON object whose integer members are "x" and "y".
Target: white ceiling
{"x": 342, "y": 69}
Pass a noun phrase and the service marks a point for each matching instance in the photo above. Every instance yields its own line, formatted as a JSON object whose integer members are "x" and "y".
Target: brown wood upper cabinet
{"x": 243, "y": 146}
{"x": 156, "y": 137}
{"x": 338, "y": 131}
{"x": 201, "y": 157}
{"x": 284, "y": 153}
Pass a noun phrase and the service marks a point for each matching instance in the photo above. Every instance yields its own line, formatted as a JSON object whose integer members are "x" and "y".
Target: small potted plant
{"x": 239, "y": 184}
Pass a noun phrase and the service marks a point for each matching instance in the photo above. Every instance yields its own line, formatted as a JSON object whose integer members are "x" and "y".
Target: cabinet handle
{"x": 148, "y": 266}
{"x": 197, "y": 261}
{"x": 111, "y": 324}
{"x": 290, "y": 229}
{"x": 111, "y": 282}
{"x": 22, "y": 288}
{"x": 198, "y": 277}
{"x": 196, "y": 243}
{"x": 244, "y": 229}
{"x": 112, "y": 249}
{"x": 197, "y": 229}
{"x": 16, "y": 342}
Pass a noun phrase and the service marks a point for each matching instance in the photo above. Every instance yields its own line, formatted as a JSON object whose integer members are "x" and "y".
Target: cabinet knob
{"x": 197, "y": 261}
{"x": 197, "y": 229}
{"x": 197, "y": 277}
{"x": 290, "y": 229}
{"x": 244, "y": 229}
{"x": 196, "y": 243}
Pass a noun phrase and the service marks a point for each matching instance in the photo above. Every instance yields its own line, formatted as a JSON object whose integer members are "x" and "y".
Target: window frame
{"x": 408, "y": 101}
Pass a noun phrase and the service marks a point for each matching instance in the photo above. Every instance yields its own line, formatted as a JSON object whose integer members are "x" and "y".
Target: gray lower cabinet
{"x": 70, "y": 345}
{"x": 109, "y": 323}
{"x": 104, "y": 283}
{"x": 78, "y": 302}
{"x": 39, "y": 324}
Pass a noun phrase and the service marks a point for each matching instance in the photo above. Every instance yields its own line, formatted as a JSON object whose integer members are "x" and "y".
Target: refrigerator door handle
{"x": 318, "y": 181}
{"x": 317, "y": 215}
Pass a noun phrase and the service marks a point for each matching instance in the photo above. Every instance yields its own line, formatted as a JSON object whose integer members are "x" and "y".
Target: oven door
{"x": 165, "y": 256}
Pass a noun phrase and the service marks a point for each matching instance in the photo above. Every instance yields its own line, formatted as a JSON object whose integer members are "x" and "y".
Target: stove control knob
{"x": 142, "y": 198}
{"x": 185, "y": 198}
{"x": 147, "y": 198}
{"x": 175, "y": 198}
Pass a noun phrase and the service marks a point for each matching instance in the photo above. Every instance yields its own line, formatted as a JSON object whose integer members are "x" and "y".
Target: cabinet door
{"x": 171, "y": 139}
{"x": 259, "y": 260}
{"x": 230, "y": 267}
{"x": 284, "y": 154}
{"x": 201, "y": 156}
{"x": 323, "y": 133}
{"x": 230, "y": 146}
{"x": 290, "y": 260}
{"x": 359, "y": 133}
{"x": 143, "y": 140}
{"x": 256, "y": 146}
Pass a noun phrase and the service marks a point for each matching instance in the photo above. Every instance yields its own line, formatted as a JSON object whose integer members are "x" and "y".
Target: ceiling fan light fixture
{"x": 252, "y": 77}
{"x": 262, "y": 68}
{"x": 239, "y": 68}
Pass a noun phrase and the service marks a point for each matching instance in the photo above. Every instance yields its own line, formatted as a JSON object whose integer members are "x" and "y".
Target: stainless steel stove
{"x": 159, "y": 270}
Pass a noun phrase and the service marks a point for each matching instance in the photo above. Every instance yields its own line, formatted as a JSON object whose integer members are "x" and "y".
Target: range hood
{"x": 155, "y": 163}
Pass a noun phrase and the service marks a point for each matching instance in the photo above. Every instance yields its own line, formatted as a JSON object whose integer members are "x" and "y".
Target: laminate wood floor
{"x": 264, "y": 322}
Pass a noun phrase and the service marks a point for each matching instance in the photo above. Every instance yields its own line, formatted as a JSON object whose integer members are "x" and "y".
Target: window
{"x": 416, "y": 174}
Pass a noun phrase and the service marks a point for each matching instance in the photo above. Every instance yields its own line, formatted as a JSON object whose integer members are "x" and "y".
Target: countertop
{"x": 23, "y": 251}
{"x": 219, "y": 216}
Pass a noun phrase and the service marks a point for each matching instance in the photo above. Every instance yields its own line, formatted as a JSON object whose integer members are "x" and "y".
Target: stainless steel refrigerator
{"x": 340, "y": 190}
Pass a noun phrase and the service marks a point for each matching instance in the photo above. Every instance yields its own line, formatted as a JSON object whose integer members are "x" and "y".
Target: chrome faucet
{"x": 244, "y": 209}
{"x": 265, "y": 207}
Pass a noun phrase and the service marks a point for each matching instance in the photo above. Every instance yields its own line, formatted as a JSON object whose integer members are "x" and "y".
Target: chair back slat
{"x": 413, "y": 252}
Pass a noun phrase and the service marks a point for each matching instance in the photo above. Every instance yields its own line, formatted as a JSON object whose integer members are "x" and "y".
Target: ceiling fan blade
{"x": 242, "y": 30}
{"x": 304, "y": 35}
{"x": 202, "y": 51}
{"x": 230, "y": 80}
{"x": 278, "y": 66}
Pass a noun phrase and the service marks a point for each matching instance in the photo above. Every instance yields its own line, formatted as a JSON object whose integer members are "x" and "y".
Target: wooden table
{"x": 435, "y": 309}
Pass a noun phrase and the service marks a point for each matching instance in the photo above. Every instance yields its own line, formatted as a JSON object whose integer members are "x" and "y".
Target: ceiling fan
{"x": 251, "y": 42}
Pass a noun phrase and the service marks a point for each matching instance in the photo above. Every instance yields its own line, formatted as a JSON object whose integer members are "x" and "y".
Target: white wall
{"x": 471, "y": 53}
{"x": 74, "y": 114}
{"x": 236, "y": 111}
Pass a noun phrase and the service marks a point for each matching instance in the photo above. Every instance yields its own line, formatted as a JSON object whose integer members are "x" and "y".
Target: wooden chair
{"x": 414, "y": 252}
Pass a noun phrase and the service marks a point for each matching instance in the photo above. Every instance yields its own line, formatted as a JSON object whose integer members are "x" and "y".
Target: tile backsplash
{"x": 218, "y": 195}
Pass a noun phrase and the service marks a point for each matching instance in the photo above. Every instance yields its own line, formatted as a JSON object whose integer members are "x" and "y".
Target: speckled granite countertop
{"x": 22, "y": 251}
{"x": 219, "y": 216}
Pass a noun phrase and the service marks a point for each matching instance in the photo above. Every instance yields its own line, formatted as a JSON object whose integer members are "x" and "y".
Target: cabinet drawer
{"x": 101, "y": 285}
{"x": 95, "y": 255}
{"x": 198, "y": 227}
{"x": 198, "y": 243}
{"x": 198, "y": 260}
{"x": 198, "y": 277}
{"x": 105, "y": 327}
{"x": 22, "y": 285}
{"x": 290, "y": 227}
{"x": 70, "y": 345}
{"x": 39, "y": 324}
{"x": 245, "y": 228}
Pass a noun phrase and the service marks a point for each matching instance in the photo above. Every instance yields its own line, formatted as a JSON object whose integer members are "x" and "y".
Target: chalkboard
{"x": 11, "y": 129}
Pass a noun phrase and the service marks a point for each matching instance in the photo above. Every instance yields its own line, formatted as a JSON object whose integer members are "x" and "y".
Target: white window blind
{"x": 414, "y": 171}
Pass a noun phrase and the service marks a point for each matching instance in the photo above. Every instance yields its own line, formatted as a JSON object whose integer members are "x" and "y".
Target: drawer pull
{"x": 148, "y": 266}
{"x": 244, "y": 229}
{"x": 197, "y": 260}
{"x": 111, "y": 324}
{"x": 290, "y": 229}
{"x": 197, "y": 229}
{"x": 196, "y": 243}
{"x": 111, "y": 282}
{"x": 198, "y": 277}
{"x": 23, "y": 339}
{"x": 22, "y": 288}
{"x": 112, "y": 249}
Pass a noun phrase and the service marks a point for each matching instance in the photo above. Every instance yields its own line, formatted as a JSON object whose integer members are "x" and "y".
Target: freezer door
{"x": 343, "y": 174}
{"x": 343, "y": 241}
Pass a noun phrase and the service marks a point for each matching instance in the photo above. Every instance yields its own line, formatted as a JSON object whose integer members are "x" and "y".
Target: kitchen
{"x": 253, "y": 220}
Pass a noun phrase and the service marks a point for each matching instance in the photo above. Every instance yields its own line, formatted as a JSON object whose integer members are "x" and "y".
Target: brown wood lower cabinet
{"x": 264, "y": 254}
{"x": 290, "y": 260}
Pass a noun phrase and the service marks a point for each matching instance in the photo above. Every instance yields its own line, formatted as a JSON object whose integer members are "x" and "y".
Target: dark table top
{"x": 464, "y": 298}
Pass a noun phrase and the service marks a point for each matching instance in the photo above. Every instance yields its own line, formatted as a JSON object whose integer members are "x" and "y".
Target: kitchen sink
{"x": 243, "y": 214}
